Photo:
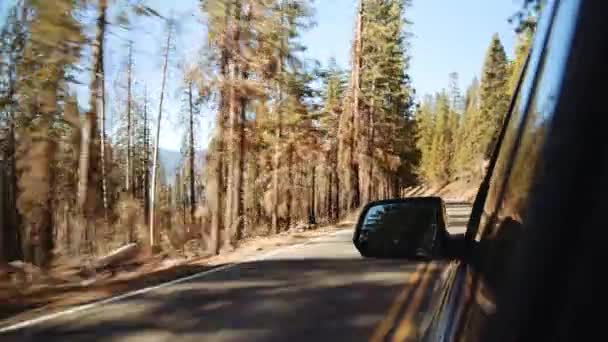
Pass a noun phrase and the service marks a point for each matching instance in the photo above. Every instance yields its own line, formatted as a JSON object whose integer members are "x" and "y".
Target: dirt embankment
{"x": 457, "y": 191}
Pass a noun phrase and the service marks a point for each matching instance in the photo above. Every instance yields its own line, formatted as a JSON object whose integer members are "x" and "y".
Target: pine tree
{"x": 425, "y": 120}
{"x": 455, "y": 96}
{"x": 456, "y": 108}
{"x": 524, "y": 40}
{"x": 386, "y": 95}
{"x": 333, "y": 96}
{"x": 464, "y": 156}
{"x": 442, "y": 140}
{"x": 486, "y": 108}
{"x": 493, "y": 95}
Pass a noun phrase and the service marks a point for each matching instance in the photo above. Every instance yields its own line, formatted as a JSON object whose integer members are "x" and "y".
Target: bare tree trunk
{"x": 336, "y": 177}
{"x": 239, "y": 212}
{"x": 312, "y": 194}
{"x": 231, "y": 154}
{"x": 278, "y": 136}
{"x": 230, "y": 146}
{"x": 87, "y": 178}
{"x": 397, "y": 190}
{"x": 289, "y": 187}
{"x": 238, "y": 107}
{"x": 276, "y": 166}
{"x": 146, "y": 161}
{"x": 216, "y": 210}
{"x": 35, "y": 160}
{"x": 356, "y": 116}
{"x": 370, "y": 152}
{"x": 89, "y": 125}
{"x": 129, "y": 174}
{"x": 102, "y": 144}
{"x": 192, "y": 153}
{"x": 240, "y": 172}
{"x": 3, "y": 215}
{"x": 330, "y": 196}
{"x": 217, "y": 171}
{"x": 317, "y": 195}
{"x": 158, "y": 122}
{"x": 12, "y": 237}
{"x": 256, "y": 196}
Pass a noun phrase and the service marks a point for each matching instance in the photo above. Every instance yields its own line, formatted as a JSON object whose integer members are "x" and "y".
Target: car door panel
{"x": 472, "y": 302}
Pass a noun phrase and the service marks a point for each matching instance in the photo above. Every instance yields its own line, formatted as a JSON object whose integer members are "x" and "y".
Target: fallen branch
{"x": 122, "y": 254}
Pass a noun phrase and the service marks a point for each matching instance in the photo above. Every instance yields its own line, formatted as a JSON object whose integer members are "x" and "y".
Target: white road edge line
{"x": 86, "y": 307}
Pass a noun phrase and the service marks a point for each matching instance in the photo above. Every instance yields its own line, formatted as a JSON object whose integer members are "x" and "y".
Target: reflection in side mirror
{"x": 402, "y": 228}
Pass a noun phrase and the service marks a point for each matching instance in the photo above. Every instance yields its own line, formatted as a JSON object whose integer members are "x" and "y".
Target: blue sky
{"x": 453, "y": 35}
{"x": 448, "y": 36}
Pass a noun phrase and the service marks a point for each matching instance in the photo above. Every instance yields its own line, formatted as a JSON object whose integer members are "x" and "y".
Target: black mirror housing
{"x": 412, "y": 228}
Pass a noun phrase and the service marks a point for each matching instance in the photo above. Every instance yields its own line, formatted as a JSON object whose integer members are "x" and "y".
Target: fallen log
{"x": 118, "y": 256}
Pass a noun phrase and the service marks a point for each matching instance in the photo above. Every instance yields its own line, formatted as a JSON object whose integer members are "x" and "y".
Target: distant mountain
{"x": 170, "y": 161}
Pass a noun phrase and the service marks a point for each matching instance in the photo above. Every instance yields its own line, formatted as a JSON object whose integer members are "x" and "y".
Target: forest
{"x": 295, "y": 142}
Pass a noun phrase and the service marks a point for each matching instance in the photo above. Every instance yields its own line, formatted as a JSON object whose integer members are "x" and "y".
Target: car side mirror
{"x": 403, "y": 228}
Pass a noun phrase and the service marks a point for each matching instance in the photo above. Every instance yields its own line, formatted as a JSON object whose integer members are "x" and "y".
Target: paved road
{"x": 322, "y": 291}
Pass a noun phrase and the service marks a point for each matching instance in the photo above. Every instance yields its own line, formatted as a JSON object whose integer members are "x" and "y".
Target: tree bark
{"x": 102, "y": 144}
{"x": 238, "y": 107}
{"x": 312, "y": 219}
{"x": 330, "y": 196}
{"x": 336, "y": 177}
{"x": 89, "y": 126}
{"x": 240, "y": 172}
{"x": 3, "y": 212}
{"x": 276, "y": 165}
{"x": 370, "y": 153}
{"x": 289, "y": 186}
{"x": 129, "y": 174}
{"x": 256, "y": 196}
{"x": 356, "y": 116}
{"x": 146, "y": 159}
{"x": 217, "y": 172}
{"x": 12, "y": 237}
{"x": 230, "y": 154}
{"x": 88, "y": 161}
{"x": 192, "y": 153}
{"x": 278, "y": 135}
{"x": 239, "y": 209}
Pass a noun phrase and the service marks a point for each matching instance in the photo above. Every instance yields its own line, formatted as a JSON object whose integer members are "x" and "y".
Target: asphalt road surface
{"x": 320, "y": 291}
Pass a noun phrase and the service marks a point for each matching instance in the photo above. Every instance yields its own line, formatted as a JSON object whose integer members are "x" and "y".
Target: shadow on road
{"x": 270, "y": 300}
{"x": 18, "y": 303}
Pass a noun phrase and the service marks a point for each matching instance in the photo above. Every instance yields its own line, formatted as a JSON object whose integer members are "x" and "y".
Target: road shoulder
{"x": 21, "y": 306}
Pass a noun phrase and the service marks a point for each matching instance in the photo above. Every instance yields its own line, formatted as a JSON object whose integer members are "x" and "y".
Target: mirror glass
{"x": 400, "y": 229}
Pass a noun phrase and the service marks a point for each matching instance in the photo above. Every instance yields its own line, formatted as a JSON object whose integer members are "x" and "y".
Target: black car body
{"x": 536, "y": 236}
